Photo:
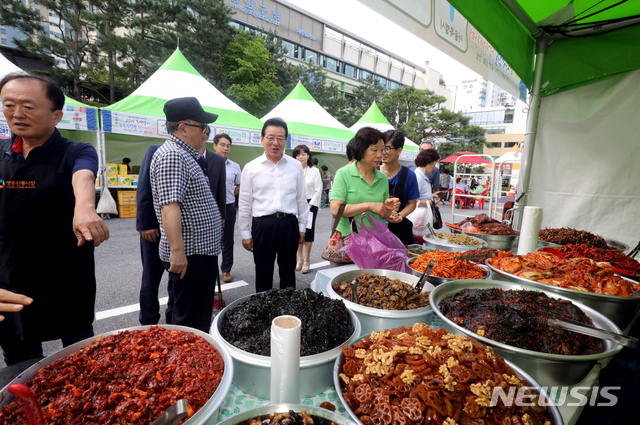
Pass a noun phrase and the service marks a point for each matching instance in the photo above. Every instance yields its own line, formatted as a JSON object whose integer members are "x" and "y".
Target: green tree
{"x": 415, "y": 109}
{"x": 287, "y": 75}
{"x": 73, "y": 35}
{"x": 249, "y": 74}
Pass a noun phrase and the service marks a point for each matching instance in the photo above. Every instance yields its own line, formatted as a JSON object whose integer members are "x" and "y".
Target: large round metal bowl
{"x": 376, "y": 319}
{"x": 319, "y": 415}
{"x": 545, "y": 244}
{"x": 617, "y": 245}
{"x": 553, "y": 412}
{"x": 501, "y": 242}
{"x": 437, "y": 280}
{"x": 253, "y": 372}
{"x": 548, "y": 369}
{"x": 444, "y": 245}
{"x": 210, "y": 408}
{"x": 620, "y": 310}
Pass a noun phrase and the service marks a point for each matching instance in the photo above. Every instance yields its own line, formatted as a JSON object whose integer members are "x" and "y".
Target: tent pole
{"x": 530, "y": 134}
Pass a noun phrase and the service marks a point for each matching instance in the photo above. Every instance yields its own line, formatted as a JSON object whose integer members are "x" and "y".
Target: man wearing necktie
{"x": 190, "y": 221}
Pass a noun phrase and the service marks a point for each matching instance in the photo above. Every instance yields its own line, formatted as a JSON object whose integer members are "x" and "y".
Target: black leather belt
{"x": 276, "y": 215}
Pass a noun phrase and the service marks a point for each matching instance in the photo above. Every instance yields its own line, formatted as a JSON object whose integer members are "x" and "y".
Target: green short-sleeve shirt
{"x": 350, "y": 187}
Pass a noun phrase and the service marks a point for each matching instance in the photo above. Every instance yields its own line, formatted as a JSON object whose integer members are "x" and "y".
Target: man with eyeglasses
{"x": 402, "y": 184}
{"x": 273, "y": 208}
{"x": 189, "y": 217}
{"x": 149, "y": 228}
{"x": 222, "y": 146}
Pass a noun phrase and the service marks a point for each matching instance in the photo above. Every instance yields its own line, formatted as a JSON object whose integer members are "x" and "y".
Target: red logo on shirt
{"x": 18, "y": 184}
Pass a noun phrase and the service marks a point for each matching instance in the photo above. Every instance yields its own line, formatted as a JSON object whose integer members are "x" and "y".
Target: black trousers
{"x": 193, "y": 295}
{"x": 227, "y": 238}
{"x": 152, "y": 270}
{"x": 275, "y": 237}
{"x": 16, "y": 350}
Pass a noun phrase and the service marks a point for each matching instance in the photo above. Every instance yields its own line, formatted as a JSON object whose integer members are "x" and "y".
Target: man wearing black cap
{"x": 190, "y": 221}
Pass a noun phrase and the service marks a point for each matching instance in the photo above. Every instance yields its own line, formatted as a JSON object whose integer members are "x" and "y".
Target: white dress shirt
{"x": 313, "y": 184}
{"x": 233, "y": 178}
{"x": 267, "y": 188}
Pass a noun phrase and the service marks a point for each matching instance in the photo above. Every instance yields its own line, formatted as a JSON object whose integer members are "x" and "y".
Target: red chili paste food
{"x": 128, "y": 378}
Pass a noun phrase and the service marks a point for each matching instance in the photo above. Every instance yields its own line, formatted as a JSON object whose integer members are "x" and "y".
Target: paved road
{"x": 118, "y": 272}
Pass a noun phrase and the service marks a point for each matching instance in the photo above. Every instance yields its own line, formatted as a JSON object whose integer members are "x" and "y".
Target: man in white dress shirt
{"x": 273, "y": 209}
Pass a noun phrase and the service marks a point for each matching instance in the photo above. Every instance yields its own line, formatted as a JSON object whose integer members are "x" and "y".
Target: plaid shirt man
{"x": 176, "y": 176}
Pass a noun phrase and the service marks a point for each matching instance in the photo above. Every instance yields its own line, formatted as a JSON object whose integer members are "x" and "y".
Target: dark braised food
{"x": 615, "y": 258}
{"x": 289, "y": 418}
{"x": 482, "y": 223}
{"x": 565, "y": 235}
{"x": 512, "y": 317}
{"x": 423, "y": 375}
{"x": 325, "y": 322}
{"x": 128, "y": 378}
{"x": 382, "y": 292}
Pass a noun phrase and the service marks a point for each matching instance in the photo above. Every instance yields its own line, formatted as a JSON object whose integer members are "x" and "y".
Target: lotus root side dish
{"x": 512, "y": 317}
{"x": 424, "y": 375}
{"x": 128, "y": 378}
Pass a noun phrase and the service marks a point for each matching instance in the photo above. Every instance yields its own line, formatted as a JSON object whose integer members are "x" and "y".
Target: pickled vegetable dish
{"x": 511, "y": 317}
{"x": 382, "y": 292}
{"x": 424, "y": 375}
{"x": 128, "y": 378}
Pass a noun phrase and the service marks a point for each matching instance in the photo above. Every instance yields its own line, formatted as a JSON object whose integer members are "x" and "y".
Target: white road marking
{"x": 163, "y": 301}
{"x": 318, "y": 265}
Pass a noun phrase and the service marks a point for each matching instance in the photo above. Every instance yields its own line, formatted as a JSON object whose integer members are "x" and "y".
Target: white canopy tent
{"x": 374, "y": 118}
{"x": 134, "y": 123}
{"x": 310, "y": 124}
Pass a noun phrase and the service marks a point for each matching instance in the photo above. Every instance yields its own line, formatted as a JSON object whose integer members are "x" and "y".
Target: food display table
{"x": 570, "y": 408}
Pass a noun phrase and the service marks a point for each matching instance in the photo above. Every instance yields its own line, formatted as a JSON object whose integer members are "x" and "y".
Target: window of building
{"x": 311, "y": 56}
{"x": 495, "y": 130}
{"x": 508, "y": 115}
{"x": 3, "y": 31}
{"x": 350, "y": 71}
{"x": 495, "y": 144}
{"x": 510, "y": 144}
{"x": 331, "y": 64}
{"x": 3, "y": 41}
{"x": 289, "y": 48}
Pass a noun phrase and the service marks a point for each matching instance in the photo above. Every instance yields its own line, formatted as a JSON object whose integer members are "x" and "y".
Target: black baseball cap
{"x": 187, "y": 108}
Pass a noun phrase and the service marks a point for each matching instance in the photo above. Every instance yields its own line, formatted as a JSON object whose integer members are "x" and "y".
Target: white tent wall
{"x": 585, "y": 167}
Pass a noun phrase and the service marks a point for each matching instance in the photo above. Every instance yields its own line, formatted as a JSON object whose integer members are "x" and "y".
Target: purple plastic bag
{"x": 375, "y": 247}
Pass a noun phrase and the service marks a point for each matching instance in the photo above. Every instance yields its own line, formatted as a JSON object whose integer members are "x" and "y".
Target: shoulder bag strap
{"x": 337, "y": 218}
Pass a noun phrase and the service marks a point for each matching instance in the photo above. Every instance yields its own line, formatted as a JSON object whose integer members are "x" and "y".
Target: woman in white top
{"x": 425, "y": 163}
{"x": 313, "y": 184}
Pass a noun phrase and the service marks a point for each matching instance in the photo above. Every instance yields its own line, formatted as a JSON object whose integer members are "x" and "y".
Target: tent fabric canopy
{"x": 579, "y": 52}
{"x": 376, "y": 119}
{"x": 178, "y": 78}
{"x": 305, "y": 117}
{"x": 466, "y": 159}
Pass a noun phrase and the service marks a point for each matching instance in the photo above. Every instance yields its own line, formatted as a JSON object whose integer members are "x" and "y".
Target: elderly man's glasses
{"x": 204, "y": 127}
{"x": 277, "y": 139}
{"x": 388, "y": 148}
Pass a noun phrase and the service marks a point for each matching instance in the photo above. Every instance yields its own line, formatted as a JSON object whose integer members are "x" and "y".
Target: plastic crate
{"x": 127, "y": 211}
{"x": 127, "y": 197}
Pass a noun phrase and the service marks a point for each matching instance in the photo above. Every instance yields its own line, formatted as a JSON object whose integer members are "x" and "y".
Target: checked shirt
{"x": 176, "y": 176}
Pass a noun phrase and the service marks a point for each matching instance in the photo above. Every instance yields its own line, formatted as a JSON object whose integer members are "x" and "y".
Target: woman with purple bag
{"x": 360, "y": 187}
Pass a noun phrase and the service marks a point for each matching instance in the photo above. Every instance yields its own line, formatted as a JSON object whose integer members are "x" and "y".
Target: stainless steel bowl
{"x": 253, "y": 372}
{"x": 376, "y": 319}
{"x": 444, "y": 245}
{"x": 501, "y": 242}
{"x": 548, "y": 369}
{"x": 320, "y": 416}
{"x": 437, "y": 280}
{"x": 545, "y": 244}
{"x": 210, "y": 408}
{"x": 553, "y": 412}
{"x": 617, "y": 245}
{"x": 621, "y": 310}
